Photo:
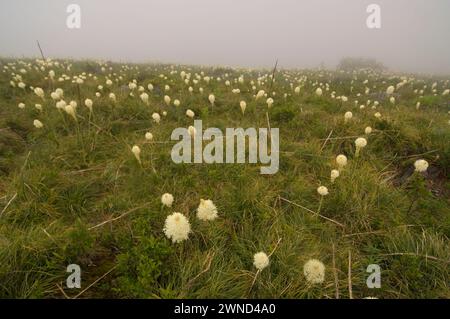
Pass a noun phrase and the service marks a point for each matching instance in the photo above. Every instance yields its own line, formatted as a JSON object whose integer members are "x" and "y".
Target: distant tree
{"x": 353, "y": 64}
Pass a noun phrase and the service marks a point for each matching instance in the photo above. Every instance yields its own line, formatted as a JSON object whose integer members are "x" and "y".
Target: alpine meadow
{"x": 358, "y": 208}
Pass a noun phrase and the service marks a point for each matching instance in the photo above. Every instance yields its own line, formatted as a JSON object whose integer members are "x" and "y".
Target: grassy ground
{"x": 72, "y": 192}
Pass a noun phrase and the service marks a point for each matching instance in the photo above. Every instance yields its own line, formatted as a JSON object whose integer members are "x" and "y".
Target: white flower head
{"x": 60, "y": 92}
{"x": 112, "y": 97}
{"x": 260, "y": 260}
{"x": 39, "y": 92}
{"x": 21, "y": 105}
{"x": 348, "y": 116}
{"x": 54, "y": 96}
{"x": 243, "y": 106}
{"x": 167, "y": 100}
{"x": 260, "y": 94}
{"x": 207, "y": 210}
{"x": 148, "y": 136}
{"x": 368, "y": 130}
{"x": 190, "y": 113}
{"x": 192, "y": 131}
{"x": 322, "y": 190}
{"x": 341, "y": 161}
{"x": 392, "y": 100}
{"x": 89, "y": 103}
{"x": 334, "y": 174}
{"x": 390, "y": 90}
{"x": 71, "y": 110}
{"x": 421, "y": 165}
{"x": 318, "y": 91}
{"x": 38, "y": 124}
{"x": 156, "y": 117}
{"x": 167, "y": 199}
{"x": 136, "y": 150}
{"x": 211, "y": 99}
{"x": 360, "y": 143}
{"x": 177, "y": 227}
{"x": 61, "y": 104}
{"x": 314, "y": 271}
{"x": 144, "y": 97}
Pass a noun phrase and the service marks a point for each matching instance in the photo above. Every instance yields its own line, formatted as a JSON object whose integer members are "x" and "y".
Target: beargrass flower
{"x": 390, "y": 90}
{"x": 260, "y": 94}
{"x": 322, "y": 190}
{"x": 144, "y": 97}
{"x": 89, "y": 104}
{"x": 136, "y": 150}
{"x": 260, "y": 260}
{"x": 61, "y": 105}
{"x": 177, "y": 227}
{"x": 392, "y": 100}
{"x": 360, "y": 143}
{"x": 314, "y": 271}
{"x": 54, "y": 96}
{"x": 207, "y": 210}
{"x": 167, "y": 100}
{"x": 192, "y": 130}
{"x": 243, "y": 106}
{"x": 167, "y": 199}
{"x": 341, "y": 161}
{"x": 348, "y": 116}
{"x": 156, "y": 117}
{"x": 334, "y": 174}
{"x": 211, "y": 99}
{"x": 38, "y": 124}
{"x": 190, "y": 113}
{"x": 148, "y": 136}
{"x": 71, "y": 110}
{"x": 421, "y": 165}
{"x": 39, "y": 92}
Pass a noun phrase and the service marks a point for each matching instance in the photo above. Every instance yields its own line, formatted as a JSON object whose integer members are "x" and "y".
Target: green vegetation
{"x": 72, "y": 191}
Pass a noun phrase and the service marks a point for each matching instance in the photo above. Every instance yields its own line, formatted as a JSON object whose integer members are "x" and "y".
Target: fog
{"x": 414, "y": 34}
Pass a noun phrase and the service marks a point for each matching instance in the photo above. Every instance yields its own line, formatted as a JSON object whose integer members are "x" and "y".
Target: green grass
{"x": 68, "y": 177}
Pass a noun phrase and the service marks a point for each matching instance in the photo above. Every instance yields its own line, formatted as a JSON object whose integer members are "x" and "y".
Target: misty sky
{"x": 414, "y": 34}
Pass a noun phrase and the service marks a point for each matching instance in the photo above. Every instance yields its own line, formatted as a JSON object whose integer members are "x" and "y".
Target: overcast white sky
{"x": 414, "y": 34}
